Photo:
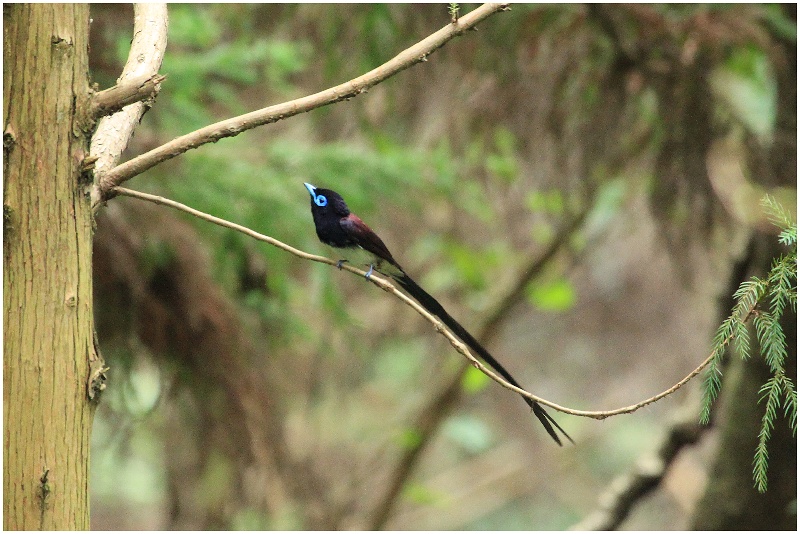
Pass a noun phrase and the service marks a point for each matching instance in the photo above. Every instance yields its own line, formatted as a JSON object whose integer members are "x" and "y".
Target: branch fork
{"x": 152, "y": 18}
{"x": 114, "y": 176}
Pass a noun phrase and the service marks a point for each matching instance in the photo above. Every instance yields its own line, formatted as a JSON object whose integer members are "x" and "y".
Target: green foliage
{"x": 444, "y": 207}
{"x": 763, "y": 300}
{"x": 205, "y": 65}
{"x": 781, "y": 218}
{"x": 748, "y": 88}
{"x": 473, "y": 381}
{"x": 453, "y": 9}
{"x": 557, "y": 295}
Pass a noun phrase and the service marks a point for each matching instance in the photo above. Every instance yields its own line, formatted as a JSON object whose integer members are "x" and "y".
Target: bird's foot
{"x": 340, "y": 263}
{"x": 369, "y": 273}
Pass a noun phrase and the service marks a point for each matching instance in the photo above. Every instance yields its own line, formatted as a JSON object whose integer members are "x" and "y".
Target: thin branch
{"x": 436, "y": 409}
{"x": 113, "y": 99}
{"x": 439, "y": 406}
{"x": 236, "y": 125}
{"x": 437, "y": 324}
{"x": 150, "y": 22}
{"x": 618, "y": 500}
{"x": 531, "y": 271}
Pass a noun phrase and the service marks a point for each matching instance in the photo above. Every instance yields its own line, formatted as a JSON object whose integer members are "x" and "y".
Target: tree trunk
{"x": 47, "y": 276}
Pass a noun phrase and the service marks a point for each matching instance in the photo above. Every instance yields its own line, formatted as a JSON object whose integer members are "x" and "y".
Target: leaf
{"x": 741, "y": 338}
{"x": 781, "y": 285}
{"x": 790, "y": 403}
{"x": 711, "y": 384}
{"x": 474, "y": 381}
{"x": 421, "y": 494}
{"x": 772, "y": 340}
{"x": 409, "y": 438}
{"x": 788, "y": 236}
{"x": 555, "y": 296}
{"x": 777, "y": 214}
{"x": 748, "y": 295}
{"x": 771, "y": 392}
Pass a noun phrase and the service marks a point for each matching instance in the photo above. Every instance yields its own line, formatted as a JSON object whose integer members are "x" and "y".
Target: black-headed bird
{"x": 343, "y": 230}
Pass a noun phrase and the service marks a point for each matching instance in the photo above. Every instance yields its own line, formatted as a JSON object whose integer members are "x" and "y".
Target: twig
{"x": 531, "y": 271}
{"x": 113, "y": 99}
{"x": 439, "y": 406}
{"x": 236, "y": 125}
{"x": 113, "y": 132}
{"x": 617, "y": 501}
{"x": 388, "y": 287}
{"x": 453, "y": 9}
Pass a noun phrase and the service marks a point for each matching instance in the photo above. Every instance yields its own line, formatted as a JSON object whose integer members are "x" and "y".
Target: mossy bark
{"x": 47, "y": 277}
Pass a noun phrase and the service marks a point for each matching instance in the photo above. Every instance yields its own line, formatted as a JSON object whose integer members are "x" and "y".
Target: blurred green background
{"x": 575, "y": 184}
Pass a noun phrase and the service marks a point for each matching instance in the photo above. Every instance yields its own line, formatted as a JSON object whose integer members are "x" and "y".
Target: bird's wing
{"x": 365, "y": 238}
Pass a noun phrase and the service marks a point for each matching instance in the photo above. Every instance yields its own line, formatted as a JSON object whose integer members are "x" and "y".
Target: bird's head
{"x": 326, "y": 202}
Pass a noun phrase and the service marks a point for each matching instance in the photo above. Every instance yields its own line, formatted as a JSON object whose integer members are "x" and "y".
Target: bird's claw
{"x": 339, "y": 264}
{"x": 369, "y": 273}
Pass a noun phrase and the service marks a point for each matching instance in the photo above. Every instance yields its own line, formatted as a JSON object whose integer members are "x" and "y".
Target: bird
{"x": 338, "y": 227}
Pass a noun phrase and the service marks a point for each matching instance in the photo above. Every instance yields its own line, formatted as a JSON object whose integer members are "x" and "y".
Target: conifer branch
{"x": 779, "y": 287}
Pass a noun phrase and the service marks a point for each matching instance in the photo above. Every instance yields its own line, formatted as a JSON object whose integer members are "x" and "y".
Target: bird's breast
{"x": 331, "y": 233}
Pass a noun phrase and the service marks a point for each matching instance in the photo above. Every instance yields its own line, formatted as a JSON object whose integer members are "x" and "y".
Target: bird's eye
{"x": 320, "y": 201}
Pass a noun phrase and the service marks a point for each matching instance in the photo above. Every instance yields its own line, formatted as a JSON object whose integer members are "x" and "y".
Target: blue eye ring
{"x": 320, "y": 200}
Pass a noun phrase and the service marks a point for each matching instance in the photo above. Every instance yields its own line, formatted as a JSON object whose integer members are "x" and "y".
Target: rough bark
{"x": 48, "y": 341}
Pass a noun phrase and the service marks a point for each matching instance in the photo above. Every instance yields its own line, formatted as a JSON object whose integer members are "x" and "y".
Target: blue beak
{"x": 311, "y": 189}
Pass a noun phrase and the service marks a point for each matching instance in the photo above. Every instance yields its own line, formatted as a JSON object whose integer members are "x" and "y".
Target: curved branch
{"x": 625, "y": 491}
{"x": 113, "y": 132}
{"x": 436, "y": 409}
{"x": 236, "y": 125}
{"x": 437, "y": 324}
